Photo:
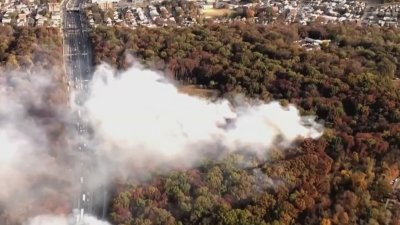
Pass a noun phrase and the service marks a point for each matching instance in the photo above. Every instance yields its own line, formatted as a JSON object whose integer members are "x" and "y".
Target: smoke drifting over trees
{"x": 34, "y": 163}
{"x": 344, "y": 177}
{"x": 139, "y": 120}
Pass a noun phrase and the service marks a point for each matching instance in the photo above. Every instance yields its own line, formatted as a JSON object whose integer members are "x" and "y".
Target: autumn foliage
{"x": 343, "y": 178}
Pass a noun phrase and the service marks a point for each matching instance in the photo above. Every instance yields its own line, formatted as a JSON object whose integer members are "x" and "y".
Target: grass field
{"x": 199, "y": 92}
{"x": 216, "y": 12}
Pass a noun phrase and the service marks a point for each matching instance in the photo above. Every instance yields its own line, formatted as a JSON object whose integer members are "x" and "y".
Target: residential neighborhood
{"x": 30, "y": 14}
{"x": 330, "y": 11}
{"x": 132, "y": 14}
{"x": 386, "y": 15}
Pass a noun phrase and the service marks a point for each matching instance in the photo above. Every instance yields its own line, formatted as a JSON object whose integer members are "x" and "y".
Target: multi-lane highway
{"x": 91, "y": 197}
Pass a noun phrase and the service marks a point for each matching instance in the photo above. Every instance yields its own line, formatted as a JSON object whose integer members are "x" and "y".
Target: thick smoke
{"x": 139, "y": 123}
{"x": 30, "y": 129}
{"x": 62, "y": 220}
{"x": 48, "y": 220}
{"x": 142, "y": 122}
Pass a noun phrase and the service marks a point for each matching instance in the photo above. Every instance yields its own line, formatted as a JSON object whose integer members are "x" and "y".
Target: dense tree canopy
{"x": 30, "y": 48}
{"x": 342, "y": 178}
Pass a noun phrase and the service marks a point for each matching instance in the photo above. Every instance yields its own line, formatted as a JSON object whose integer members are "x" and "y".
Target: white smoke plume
{"x": 48, "y": 220}
{"x": 29, "y": 170}
{"x": 63, "y": 220}
{"x": 141, "y": 121}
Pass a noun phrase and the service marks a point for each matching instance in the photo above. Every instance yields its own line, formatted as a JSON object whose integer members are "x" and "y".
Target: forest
{"x": 351, "y": 84}
{"x": 27, "y": 48}
{"x": 29, "y": 57}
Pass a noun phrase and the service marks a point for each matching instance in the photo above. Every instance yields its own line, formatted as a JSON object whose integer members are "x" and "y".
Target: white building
{"x": 105, "y": 4}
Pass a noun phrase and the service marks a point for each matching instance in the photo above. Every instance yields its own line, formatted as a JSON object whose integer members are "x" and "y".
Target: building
{"x": 22, "y": 19}
{"x": 54, "y": 7}
{"x": 104, "y": 4}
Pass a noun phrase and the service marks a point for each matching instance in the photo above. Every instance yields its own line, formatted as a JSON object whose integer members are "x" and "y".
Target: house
{"x": 55, "y": 19}
{"x": 164, "y": 12}
{"x": 219, "y": 5}
{"x": 104, "y": 4}
{"x": 153, "y": 12}
{"x": 56, "y": 16}
{"x": 54, "y": 7}
{"x": 40, "y": 21}
{"x": 208, "y": 4}
{"x": 6, "y": 20}
{"x": 128, "y": 15}
{"x": 23, "y": 8}
{"x": 22, "y": 19}
{"x": 141, "y": 15}
{"x": 316, "y": 41}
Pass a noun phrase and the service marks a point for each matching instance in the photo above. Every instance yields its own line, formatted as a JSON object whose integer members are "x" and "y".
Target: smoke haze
{"x": 140, "y": 123}
{"x": 30, "y": 133}
{"x": 62, "y": 220}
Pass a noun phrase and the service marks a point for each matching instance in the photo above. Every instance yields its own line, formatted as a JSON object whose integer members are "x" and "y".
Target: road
{"x": 91, "y": 198}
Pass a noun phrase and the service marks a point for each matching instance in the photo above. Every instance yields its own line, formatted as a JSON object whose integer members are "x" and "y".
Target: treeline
{"x": 343, "y": 178}
{"x": 28, "y": 47}
{"x": 37, "y": 51}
